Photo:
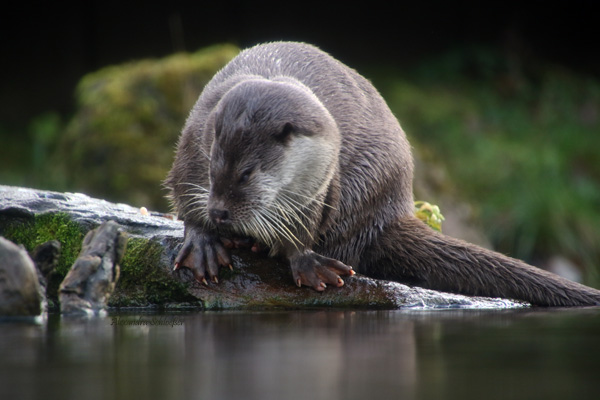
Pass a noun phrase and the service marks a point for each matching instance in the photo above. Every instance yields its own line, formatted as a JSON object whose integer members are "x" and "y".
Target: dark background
{"x": 47, "y": 49}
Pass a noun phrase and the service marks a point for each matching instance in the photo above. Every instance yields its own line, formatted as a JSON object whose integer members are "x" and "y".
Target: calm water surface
{"x": 451, "y": 354}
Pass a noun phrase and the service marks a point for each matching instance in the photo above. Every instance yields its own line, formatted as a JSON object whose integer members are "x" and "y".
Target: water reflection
{"x": 325, "y": 355}
{"x": 312, "y": 354}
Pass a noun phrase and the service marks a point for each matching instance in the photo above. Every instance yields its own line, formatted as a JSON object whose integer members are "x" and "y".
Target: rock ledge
{"x": 30, "y": 217}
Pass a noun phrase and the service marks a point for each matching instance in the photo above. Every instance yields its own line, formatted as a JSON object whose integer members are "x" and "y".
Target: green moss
{"x": 45, "y": 227}
{"x": 143, "y": 282}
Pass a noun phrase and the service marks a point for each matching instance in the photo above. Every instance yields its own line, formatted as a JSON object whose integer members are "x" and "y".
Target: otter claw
{"x": 317, "y": 271}
{"x": 202, "y": 253}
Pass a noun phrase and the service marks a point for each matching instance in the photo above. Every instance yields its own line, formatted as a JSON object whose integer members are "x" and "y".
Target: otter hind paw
{"x": 203, "y": 254}
{"x": 316, "y": 271}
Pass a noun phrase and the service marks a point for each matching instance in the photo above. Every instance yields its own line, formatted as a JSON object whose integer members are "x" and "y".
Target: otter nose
{"x": 218, "y": 216}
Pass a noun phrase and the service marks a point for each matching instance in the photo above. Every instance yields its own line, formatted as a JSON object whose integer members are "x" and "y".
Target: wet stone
{"x": 20, "y": 291}
{"x": 147, "y": 277}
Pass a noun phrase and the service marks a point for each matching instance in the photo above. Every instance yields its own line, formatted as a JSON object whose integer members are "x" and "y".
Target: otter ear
{"x": 286, "y": 131}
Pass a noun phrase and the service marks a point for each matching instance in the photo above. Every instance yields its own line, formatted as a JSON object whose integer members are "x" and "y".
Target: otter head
{"x": 275, "y": 150}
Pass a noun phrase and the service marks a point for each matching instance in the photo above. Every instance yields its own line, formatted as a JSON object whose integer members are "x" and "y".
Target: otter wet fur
{"x": 291, "y": 148}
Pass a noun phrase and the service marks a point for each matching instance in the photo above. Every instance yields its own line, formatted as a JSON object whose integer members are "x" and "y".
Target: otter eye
{"x": 245, "y": 176}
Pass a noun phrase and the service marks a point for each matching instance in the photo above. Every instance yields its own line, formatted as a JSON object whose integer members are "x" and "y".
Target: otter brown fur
{"x": 290, "y": 147}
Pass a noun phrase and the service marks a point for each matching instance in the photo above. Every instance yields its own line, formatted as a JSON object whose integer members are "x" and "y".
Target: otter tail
{"x": 412, "y": 253}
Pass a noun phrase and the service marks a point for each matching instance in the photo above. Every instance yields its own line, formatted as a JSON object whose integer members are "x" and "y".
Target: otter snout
{"x": 218, "y": 211}
{"x": 219, "y": 216}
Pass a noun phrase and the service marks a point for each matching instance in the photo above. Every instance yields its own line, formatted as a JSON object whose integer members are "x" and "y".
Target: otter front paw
{"x": 202, "y": 253}
{"x": 316, "y": 271}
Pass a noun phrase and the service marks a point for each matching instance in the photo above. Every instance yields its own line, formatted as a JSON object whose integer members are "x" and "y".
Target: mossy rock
{"x": 41, "y": 228}
{"x": 31, "y": 231}
{"x": 31, "y": 217}
{"x": 143, "y": 283}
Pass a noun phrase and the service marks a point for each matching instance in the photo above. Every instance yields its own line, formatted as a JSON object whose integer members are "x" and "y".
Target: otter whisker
{"x": 193, "y": 200}
{"x": 291, "y": 213}
{"x": 280, "y": 227}
{"x": 195, "y": 204}
{"x": 197, "y": 213}
{"x": 261, "y": 228}
{"x": 291, "y": 204}
{"x": 193, "y": 185}
{"x": 312, "y": 199}
{"x": 252, "y": 225}
{"x": 275, "y": 233}
{"x": 195, "y": 196}
{"x": 203, "y": 153}
{"x": 278, "y": 217}
{"x": 284, "y": 213}
{"x": 289, "y": 235}
{"x": 198, "y": 210}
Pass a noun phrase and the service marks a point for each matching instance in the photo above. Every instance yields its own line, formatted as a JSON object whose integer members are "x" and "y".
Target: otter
{"x": 293, "y": 149}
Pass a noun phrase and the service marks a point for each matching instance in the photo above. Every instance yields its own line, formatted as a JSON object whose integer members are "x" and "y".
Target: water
{"x": 450, "y": 354}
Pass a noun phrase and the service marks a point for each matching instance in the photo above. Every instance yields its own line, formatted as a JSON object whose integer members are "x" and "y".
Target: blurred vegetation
{"x": 521, "y": 143}
{"x": 519, "y": 140}
{"x": 121, "y": 141}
